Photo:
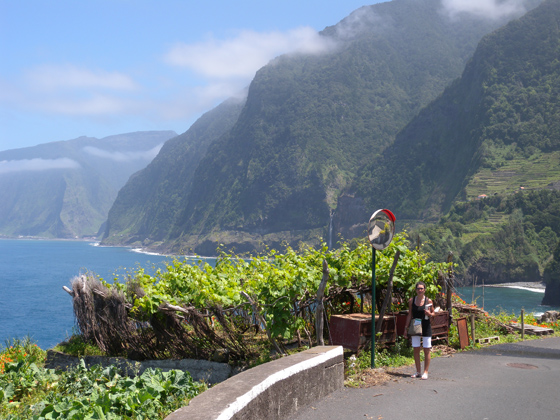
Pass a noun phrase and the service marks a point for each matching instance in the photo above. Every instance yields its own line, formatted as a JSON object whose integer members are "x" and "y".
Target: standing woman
{"x": 421, "y": 307}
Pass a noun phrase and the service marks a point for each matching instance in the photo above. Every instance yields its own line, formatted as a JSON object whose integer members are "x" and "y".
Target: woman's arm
{"x": 430, "y": 311}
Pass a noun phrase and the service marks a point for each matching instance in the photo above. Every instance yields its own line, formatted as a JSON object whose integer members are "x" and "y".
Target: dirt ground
{"x": 379, "y": 376}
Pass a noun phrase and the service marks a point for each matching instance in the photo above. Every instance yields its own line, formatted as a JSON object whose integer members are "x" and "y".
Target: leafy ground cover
{"x": 29, "y": 391}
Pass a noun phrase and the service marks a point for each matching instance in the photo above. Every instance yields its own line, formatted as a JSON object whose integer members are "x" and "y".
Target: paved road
{"x": 507, "y": 381}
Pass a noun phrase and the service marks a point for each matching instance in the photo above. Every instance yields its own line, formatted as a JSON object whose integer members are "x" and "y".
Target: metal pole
{"x": 373, "y": 308}
{"x": 523, "y": 324}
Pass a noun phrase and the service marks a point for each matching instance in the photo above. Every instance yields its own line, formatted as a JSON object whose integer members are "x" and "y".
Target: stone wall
{"x": 274, "y": 390}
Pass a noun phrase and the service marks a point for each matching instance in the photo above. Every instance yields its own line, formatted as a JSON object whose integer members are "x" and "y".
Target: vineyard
{"x": 193, "y": 311}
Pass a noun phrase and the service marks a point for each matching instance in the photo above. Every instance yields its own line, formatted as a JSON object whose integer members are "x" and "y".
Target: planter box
{"x": 353, "y": 331}
{"x": 401, "y": 321}
{"x": 440, "y": 326}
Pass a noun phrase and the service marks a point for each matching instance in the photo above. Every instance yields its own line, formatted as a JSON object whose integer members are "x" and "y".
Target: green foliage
{"x": 281, "y": 284}
{"x": 500, "y": 238}
{"x": 502, "y": 113}
{"x": 28, "y": 391}
{"x": 16, "y": 349}
{"x": 75, "y": 346}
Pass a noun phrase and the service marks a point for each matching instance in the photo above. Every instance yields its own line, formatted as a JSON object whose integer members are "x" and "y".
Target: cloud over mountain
{"x": 7, "y": 166}
{"x": 491, "y": 9}
{"x": 243, "y": 55}
{"x": 146, "y": 155}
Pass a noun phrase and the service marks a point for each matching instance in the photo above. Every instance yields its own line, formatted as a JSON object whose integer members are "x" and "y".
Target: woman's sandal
{"x": 416, "y": 375}
{"x": 425, "y": 376}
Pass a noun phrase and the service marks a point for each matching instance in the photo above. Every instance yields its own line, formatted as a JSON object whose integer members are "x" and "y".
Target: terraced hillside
{"x": 541, "y": 170}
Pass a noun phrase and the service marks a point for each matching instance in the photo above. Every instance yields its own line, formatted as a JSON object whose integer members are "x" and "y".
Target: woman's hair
{"x": 420, "y": 283}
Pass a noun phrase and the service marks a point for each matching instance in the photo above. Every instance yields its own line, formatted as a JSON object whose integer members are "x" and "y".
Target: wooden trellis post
{"x": 319, "y": 312}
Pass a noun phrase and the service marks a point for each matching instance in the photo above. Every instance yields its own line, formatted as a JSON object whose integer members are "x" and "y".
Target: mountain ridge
{"x": 65, "y": 189}
{"x": 308, "y": 124}
{"x": 486, "y": 118}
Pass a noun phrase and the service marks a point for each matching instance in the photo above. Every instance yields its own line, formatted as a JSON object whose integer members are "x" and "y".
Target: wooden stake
{"x": 472, "y": 327}
{"x": 450, "y": 287}
{"x": 319, "y": 324}
{"x": 262, "y": 321}
{"x": 389, "y": 291}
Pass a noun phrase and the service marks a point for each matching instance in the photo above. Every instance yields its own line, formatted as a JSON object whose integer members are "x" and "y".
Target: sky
{"x": 71, "y": 68}
{"x": 104, "y": 67}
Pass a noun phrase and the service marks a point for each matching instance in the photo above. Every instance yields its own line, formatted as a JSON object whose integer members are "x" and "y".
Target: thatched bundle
{"x": 105, "y": 317}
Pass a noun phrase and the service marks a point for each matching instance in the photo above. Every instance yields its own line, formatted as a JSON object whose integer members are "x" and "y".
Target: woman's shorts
{"x": 426, "y": 341}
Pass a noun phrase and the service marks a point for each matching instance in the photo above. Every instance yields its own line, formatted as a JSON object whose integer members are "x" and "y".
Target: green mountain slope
{"x": 309, "y": 123}
{"x": 65, "y": 189}
{"x": 500, "y": 239}
{"x": 486, "y": 156}
{"x": 483, "y": 133}
{"x": 147, "y": 206}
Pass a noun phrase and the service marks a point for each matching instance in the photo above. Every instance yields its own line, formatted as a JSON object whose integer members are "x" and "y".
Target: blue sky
{"x": 104, "y": 67}
{"x": 101, "y": 67}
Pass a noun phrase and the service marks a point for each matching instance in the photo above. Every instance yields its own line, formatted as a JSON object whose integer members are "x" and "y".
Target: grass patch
{"x": 75, "y": 346}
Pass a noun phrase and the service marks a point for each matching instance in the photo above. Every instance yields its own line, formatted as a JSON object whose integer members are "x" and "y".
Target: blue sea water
{"x": 506, "y": 299}
{"x": 32, "y": 273}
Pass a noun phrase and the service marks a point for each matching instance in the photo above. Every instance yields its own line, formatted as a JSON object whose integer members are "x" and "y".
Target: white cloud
{"x": 71, "y": 91}
{"x": 146, "y": 155}
{"x": 76, "y": 105}
{"x": 227, "y": 66}
{"x": 196, "y": 77}
{"x": 56, "y": 78}
{"x": 7, "y": 166}
{"x": 243, "y": 55}
{"x": 491, "y": 9}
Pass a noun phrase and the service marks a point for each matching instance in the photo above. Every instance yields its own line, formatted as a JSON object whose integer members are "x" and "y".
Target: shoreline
{"x": 97, "y": 243}
{"x": 536, "y": 286}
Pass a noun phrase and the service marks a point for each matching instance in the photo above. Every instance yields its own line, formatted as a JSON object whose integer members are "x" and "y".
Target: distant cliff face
{"x": 492, "y": 272}
{"x": 148, "y": 206}
{"x": 309, "y": 126}
{"x": 65, "y": 189}
{"x": 552, "y": 294}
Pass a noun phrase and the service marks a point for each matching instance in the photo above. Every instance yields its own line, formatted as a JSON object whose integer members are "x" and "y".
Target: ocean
{"x": 506, "y": 299}
{"x": 33, "y": 303}
{"x": 32, "y": 273}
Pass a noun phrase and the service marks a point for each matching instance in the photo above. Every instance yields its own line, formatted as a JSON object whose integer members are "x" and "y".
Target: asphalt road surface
{"x": 507, "y": 381}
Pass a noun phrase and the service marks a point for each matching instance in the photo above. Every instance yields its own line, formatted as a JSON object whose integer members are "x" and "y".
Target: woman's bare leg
{"x": 427, "y": 357}
{"x": 417, "y": 359}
